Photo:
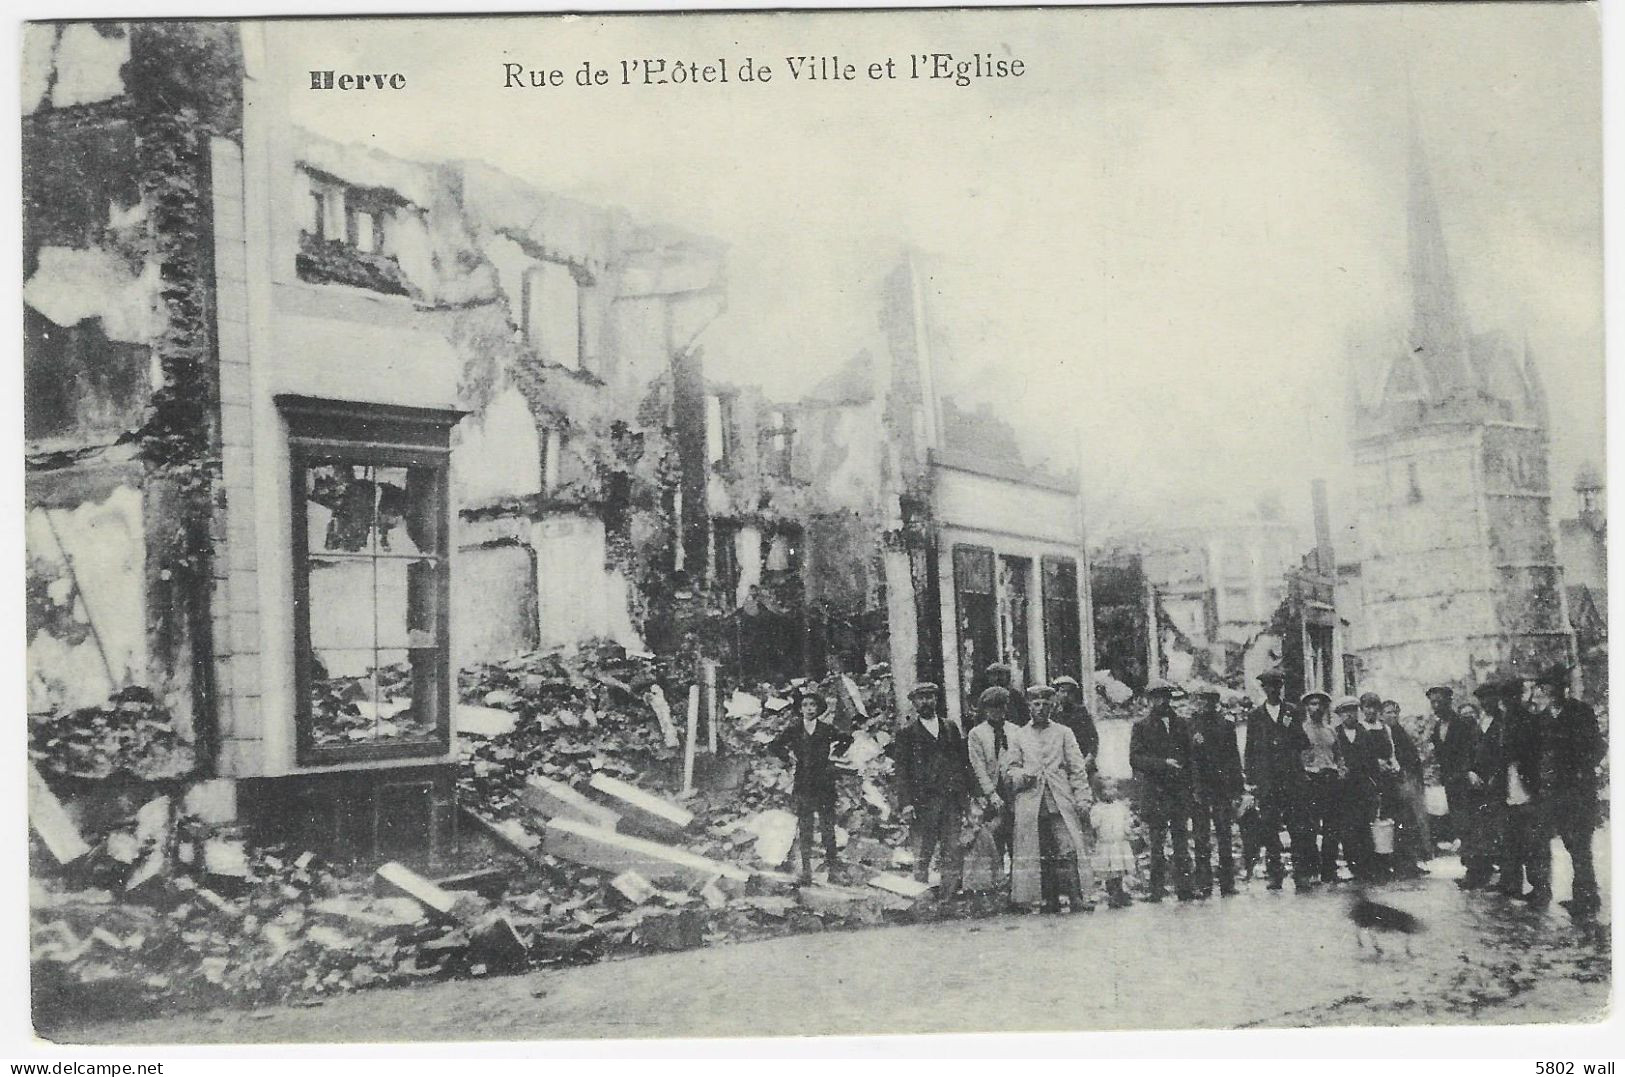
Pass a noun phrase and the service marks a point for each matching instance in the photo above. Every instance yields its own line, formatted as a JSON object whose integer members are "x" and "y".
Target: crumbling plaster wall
{"x": 121, "y": 403}
{"x": 549, "y": 453}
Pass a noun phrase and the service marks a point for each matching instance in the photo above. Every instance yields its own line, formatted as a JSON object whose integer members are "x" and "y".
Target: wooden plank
{"x": 615, "y": 853}
{"x": 51, "y": 821}
{"x": 552, "y": 799}
{"x": 509, "y": 834}
{"x": 419, "y": 889}
{"x": 713, "y": 706}
{"x": 688, "y": 738}
{"x": 640, "y": 810}
{"x": 662, "y": 709}
{"x": 900, "y": 884}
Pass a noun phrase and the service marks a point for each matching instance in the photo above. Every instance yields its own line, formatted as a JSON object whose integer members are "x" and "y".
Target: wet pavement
{"x": 1262, "y": 958}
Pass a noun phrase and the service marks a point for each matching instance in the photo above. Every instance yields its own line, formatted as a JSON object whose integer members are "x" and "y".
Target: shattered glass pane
{"x": 373, "y": 591}
{"x": 341, "y": 604}
{"x": 406, "y": 602}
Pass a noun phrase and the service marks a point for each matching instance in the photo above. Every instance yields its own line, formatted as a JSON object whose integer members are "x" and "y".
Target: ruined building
{"x": 1582, "y": 550}
{"x": 1217, "y": 587}
{"x": 879, "y": 519}
{"x": 309, "y": 427}
{"x": 1458, "y": 571}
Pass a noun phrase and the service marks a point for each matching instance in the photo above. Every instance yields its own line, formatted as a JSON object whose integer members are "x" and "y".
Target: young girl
{"x": 1114, "y": 857}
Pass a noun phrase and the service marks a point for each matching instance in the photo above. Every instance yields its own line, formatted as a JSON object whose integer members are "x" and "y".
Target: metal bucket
{"x": 1382, "y": 836}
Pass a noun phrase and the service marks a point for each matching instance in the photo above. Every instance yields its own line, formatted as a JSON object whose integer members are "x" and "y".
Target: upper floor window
{"x": 781, "y": 441}
{"x": 551, "y": 314}
{"x": 344, "y": 235}
{"x": 719, "y": 432}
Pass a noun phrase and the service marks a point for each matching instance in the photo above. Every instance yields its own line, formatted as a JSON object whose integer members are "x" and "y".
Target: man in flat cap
{"x": 1452, "y": 741}
{"x": 1415, "y": 838}
{"x": 1572, "y": 748}
{"x": 1384, "y": 799}
{"x": 1518, "y": 793}
{"x": 1050, "y": 856}
{"x": 1072, "y": 712}
{"x": 933, "y": 781}
{"x": 807, "y": 744}
{"x": 1003, "y": 675}
{"x": 988, "y": 744}
{"x": 1274, "y": 771}
{"x": 1322, "y": 803}
{"x": 1362, "y": 757}
{"x": 1216, "y": 788}
{"x": 1160, "y": 754}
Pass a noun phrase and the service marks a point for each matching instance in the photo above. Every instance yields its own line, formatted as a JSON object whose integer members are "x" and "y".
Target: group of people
{"x": 1519, "y": 767}
{"x": 1343, "y": 779}
{"x": 1025, "y": 772}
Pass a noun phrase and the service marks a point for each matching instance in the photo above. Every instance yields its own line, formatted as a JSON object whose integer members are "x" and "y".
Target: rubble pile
{"x": 572, "y": 773}
{"x": 586, "y": 785}
{"x": 290, "y": 928}
{"x": 129, "y": 736}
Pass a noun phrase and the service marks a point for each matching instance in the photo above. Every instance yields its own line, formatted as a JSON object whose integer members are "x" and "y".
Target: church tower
{"x": 1459, "y": 575}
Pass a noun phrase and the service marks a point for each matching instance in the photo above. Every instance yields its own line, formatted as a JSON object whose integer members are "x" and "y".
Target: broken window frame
{"x": 1063, "y": 620}
{"x": 376, "y": 435}
{"x": 532, "y": 283}
{"x": 781, "y": 441}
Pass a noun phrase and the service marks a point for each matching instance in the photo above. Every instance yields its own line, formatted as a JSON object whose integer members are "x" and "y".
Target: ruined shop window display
{"x": 370, "y": 536}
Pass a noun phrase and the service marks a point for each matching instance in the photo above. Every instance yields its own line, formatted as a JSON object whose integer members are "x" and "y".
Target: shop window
{"x": 1062, "y": 623}
{"x": 551, "y": 314}
{"x": 1014, "y": 618}
{"x": 371, "y": 579}
{"x": 978, "y": 615}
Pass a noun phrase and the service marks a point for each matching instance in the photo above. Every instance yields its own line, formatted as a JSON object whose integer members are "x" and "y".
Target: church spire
{"x": 1437, "y": 336}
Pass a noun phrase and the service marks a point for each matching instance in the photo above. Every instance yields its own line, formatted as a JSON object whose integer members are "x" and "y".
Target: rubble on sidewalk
{"x": 558, "y": 790}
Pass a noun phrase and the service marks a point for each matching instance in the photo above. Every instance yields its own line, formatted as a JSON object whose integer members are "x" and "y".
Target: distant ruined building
{"x": 1459, "y": 577}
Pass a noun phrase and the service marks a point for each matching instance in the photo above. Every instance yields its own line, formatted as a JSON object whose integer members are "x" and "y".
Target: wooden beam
{"x": 552, "y": 800}
{"x": 51, "y": 821}
{"x": 640, "y": 810}
{"x": 615, "y": 854}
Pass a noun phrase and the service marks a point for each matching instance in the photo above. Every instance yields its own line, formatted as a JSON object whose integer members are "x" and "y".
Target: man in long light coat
{"x": 1051, "y": 783}
{"x": 988, "y": 744}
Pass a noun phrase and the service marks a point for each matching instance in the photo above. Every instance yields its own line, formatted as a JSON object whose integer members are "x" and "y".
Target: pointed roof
{"x": 1438, "y": 363}
{"x": 1440, "y": 368}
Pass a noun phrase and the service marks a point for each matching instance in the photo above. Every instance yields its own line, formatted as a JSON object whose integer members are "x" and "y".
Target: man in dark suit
{"x": 807, "y": 744}
{"x": 933, "y": 783}
{"x": 1452, "y": 740}
{"x": 1274, "y": 772}
{"x": 1361, "y": 759}
{"x": 1571, "y": 750}
{"x": 1516, "y": 789}
{"x": 1160, "y": 754}
{"x": 1481, "y": 841}
{"x": 1072, "y": 713}
{"x": 1216, "y": 786}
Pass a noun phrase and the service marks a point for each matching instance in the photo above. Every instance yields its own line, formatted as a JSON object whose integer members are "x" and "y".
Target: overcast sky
{"x": 1158, "y": 242}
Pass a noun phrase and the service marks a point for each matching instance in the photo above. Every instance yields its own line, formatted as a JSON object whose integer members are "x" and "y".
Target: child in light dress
{"x": 1114, "y": 858}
